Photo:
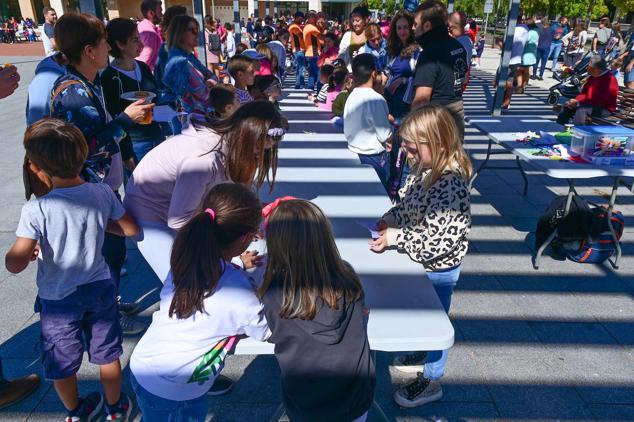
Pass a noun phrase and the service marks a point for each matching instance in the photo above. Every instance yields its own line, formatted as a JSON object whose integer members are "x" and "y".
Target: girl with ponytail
{"x": 205, "y": 304}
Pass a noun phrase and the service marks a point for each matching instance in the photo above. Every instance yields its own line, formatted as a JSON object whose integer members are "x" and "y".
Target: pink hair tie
{"x": 212, "y": 213}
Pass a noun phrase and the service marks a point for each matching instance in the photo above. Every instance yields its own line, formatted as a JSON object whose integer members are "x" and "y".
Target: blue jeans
{"x": 555, "y": 49}
{"x": 300, "y": 67}
{"x": 141, "y": 148}
{"x": 157, "y": 409}
{"x": 444, "y": 283}
{"x": 380, "y": 163}
{"x": 542, "y": 58}
{"x": 313, "y": 72}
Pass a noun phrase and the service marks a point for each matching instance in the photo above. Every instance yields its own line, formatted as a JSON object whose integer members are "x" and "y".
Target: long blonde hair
{"x": 435, "y": 126}
{"x": 303, "y": 257}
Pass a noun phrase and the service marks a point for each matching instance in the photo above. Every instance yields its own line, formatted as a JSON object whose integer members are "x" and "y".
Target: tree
{"x": 378, "y": 5}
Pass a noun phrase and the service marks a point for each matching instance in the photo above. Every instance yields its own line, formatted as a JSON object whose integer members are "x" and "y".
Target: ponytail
{"x": 229, "y": 212}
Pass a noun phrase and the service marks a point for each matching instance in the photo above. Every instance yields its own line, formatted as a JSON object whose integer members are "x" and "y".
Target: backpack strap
{"x": 62, "y": 87}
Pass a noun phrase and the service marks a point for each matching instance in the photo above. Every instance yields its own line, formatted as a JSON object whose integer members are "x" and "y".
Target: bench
{"x": 624, "y": 114}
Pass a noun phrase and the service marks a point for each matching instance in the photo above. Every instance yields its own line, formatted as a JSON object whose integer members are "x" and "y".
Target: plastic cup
{"x": 147, "y": 98}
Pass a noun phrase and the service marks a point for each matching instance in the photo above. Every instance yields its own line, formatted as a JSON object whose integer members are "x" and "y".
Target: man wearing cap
{"x": 297, "y": 45}
{"x": 597, "y": 98}
{"x": 313, "y": 41}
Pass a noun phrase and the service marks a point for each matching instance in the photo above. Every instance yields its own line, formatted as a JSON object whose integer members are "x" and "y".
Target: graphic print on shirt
{"x": 213, "y": 361}
{"x": 459, "y": 71}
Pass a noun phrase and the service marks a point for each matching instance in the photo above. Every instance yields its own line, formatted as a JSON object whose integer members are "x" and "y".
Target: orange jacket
{"x": 312, "y": 40}
{"x": 297, "y": 37}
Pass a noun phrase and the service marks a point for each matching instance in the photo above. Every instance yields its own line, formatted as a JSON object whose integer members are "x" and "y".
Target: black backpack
{"x": 214, "y": 42}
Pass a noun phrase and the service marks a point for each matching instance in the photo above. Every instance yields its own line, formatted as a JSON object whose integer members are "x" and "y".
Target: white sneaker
{"x": 410, "y": 363}
{"x": 129, "y": 326}
{"x": 418, "y": 392}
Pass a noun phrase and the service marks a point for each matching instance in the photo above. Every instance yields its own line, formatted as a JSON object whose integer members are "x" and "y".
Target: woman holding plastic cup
{"x": 78, "y": 99}
{"x": 127, "y": 80}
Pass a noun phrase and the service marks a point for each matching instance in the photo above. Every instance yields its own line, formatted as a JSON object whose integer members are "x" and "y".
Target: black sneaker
{"x": 410, "y": 362}
{"x": 222, "y": 385}
{"x": 121, "y": 412}
{"x": 128, "y": 308}
{"x": 418, "y": 392}
{"x": 89, "y": 409}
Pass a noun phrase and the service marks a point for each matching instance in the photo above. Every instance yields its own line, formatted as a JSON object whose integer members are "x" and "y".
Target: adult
{"x": 163, "y": 54}
{"x": 574, "y": 43}
{"x": 628, "y": 63}
{"x": 297, "y": 48}
{"x": 38, "y": 103}
{"x": 601, "y": 37}
{"x": 616, "y": 42}
{"x": 472, "y": 32}
{"x": 213, "y": 44}
{"x": 558, "y": 30}
{"x": 354, "y": 38}
{"x": 442, "y": 66}
{"x": 48, "y": 31}
{"x": 598, "y": 95}
{"x": 515, "y": 75}
{"x": 125, "y": 74}
{"x": 166, "y": 188}
{"x": 402, "y": 53}
{"x": 543, "y": 49}
{"x": 457, "y": 24}
{"x": 185, "y": 76}
{"x": 152, "y": 11}
{"x": 15, "y": 390}
{"x": 78, "y": 99}
{"x": 278, "y": 46}
{"x": 313, "y": 41}
{"x": 529, "y": 55}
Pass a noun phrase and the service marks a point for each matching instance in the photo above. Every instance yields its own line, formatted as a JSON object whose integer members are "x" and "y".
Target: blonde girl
{"x": 314, "y": 305}
{"x": 430, "y": 224}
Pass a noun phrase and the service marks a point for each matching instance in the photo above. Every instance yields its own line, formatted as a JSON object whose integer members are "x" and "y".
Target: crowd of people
{"x": 394, "y": 88}
{"x": 13, "y": 31}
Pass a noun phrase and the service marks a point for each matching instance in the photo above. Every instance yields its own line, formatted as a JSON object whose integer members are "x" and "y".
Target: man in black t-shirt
{"x": 442, "y": 65}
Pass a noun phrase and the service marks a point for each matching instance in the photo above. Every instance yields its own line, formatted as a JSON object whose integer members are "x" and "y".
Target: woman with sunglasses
{"x": 168, "y": 185}
{"x": 184, "y": 74}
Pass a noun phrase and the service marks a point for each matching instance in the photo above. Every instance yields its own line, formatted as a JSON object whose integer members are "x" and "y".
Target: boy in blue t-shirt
{"x": 64, "y": 231}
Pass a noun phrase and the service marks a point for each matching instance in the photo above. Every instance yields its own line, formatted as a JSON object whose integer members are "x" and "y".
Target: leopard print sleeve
{"x": 435, "y": 222}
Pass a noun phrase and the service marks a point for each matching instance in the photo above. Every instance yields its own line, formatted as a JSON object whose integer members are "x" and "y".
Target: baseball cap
{"x": 253, "y": 54}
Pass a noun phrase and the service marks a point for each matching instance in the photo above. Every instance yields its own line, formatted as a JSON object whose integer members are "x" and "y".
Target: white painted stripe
{"x": 317, "y": 153}
{"x": 305, "y": 137}
{"x": 361, "y": 174}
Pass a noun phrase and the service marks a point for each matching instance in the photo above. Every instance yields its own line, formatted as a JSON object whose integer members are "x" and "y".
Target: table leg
{"x": 486, "y": 160}
{"x": 617, "y": 243}
{"x": 543, "y": 246}
{"x": 519, "y": 165}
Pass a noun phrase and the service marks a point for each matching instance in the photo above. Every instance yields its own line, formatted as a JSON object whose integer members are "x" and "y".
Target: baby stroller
{"x": 570, "y": 79}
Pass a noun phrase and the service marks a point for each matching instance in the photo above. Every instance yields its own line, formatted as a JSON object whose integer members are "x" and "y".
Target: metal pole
{"x": 256, "y": 12}
{"x": 505, "y": 58}
{"x": 236, "y": 21}
{"x": 213, "y": 10}
{"x": 268, "y": 7}
{"x": 450, "y": 6}
{"x": 486, "y": 23}
{"x": 199, "y": 11}
{"x": 275, "y": 8}
{"x": 92, "y": 7}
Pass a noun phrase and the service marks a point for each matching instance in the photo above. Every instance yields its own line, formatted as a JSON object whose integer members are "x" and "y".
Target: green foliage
{"x": 389, "y": 5}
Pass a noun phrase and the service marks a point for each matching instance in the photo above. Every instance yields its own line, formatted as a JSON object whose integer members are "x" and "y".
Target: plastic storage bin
{"x": 603, "y": 145}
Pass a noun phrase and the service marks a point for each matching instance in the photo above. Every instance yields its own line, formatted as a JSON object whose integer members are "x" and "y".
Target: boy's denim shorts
{"x": 88, "y": 318}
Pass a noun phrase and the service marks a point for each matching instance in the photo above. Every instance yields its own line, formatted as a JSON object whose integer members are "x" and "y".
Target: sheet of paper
{"x": 371, "y": 228}
{"x": 164, "y": 113}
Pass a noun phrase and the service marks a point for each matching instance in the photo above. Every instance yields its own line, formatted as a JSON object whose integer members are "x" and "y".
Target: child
{"x": 375, "y": 46}
{"x": 366, "y": 126}
{"x": 430, "y": 224}
{"x": 64, "y": 231}
{"x": 224, "y": 100}
{"x": 205, "y": 304}
{"x": 241, "y": 48}
{"x": 268, "y": 64}
{"x": 335, "y": 84}
{"x": 266, "y": 88}
{"x": 230, "y": 41}
{"x": 314, "y": 304}
{"x": 242, "y": 71}
{"x": 330, "y": 51}
{"x": 325, "y": 73}
{"x": 479, "y": 51}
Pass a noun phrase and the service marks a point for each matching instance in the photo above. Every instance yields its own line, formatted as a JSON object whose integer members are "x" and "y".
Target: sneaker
{"x": 533, "y": 77}
{"x": 121, "y": 412}
{"x": 410, "y": 362}
{"x": 540, "y": 78}
{"x": 418, "y": 392}
{"x": 128, "y": 308}
{"x": 18, "y": 389}
{"x": 129, "y": 326}
{"x": 221, "y": 386}
{"x": 89, "y": 409}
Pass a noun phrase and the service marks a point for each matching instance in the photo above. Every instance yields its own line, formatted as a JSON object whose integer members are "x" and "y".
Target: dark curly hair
{"x": 395, "y": 46}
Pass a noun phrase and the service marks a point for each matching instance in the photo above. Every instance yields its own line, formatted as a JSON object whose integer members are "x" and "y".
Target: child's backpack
{"x": 613, "y": 41}
{"x": 583, "y": 235}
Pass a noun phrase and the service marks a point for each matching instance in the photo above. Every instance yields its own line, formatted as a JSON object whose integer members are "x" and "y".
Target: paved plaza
{"x": 552, "y": 344}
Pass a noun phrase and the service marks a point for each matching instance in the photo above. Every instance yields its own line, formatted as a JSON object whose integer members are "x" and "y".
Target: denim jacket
{"x": 82, "y": 105}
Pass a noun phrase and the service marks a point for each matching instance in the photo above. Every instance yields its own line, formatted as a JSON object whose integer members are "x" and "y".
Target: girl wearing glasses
{"x": 186, "y": 77}
{"x": 167, "y": 186}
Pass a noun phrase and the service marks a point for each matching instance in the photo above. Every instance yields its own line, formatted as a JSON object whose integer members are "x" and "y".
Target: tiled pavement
{"x": 553, "y": 344}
